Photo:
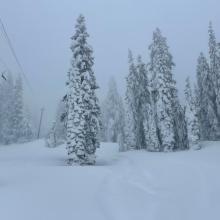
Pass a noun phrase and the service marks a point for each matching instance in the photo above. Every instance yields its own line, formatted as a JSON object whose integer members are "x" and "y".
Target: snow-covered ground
{"x": 35, "y": 184}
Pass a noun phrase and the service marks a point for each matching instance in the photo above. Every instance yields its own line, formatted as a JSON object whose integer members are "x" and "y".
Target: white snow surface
{"x": 35, "y": 184}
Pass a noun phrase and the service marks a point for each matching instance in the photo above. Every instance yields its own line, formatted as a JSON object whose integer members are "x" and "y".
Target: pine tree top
{"x": 212, "y": 41}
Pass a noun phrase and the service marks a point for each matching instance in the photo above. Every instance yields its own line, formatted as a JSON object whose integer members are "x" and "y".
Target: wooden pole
{"x": 41, "y": 117}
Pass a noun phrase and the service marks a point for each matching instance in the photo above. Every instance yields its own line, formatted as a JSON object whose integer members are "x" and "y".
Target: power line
{"x": 14, "y": 54}
{"x": 6, "y": 69}
{"x": 5, "y": 66}
{"x": 4, "y": 32}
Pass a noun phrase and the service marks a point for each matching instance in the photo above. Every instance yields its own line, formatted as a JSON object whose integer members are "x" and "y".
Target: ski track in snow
{"x": 35, "y": 183}
{"x": 124, "y": 185}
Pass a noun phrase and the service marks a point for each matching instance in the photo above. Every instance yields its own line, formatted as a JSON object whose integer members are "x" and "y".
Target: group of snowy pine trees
{"x": 15, "y": 123}
{"x": 155, "y": 120}
{"x": 203, "y": 102}
{"x": 152, "y": 118}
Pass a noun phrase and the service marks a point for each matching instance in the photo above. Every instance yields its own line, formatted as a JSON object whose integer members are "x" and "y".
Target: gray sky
{"x": 40, "y": 31}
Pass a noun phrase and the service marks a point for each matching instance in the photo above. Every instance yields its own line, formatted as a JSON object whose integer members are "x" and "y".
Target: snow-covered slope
{"x": 35, "y": 184}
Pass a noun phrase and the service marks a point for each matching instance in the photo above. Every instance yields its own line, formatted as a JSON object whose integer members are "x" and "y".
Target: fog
{"x": 40, "y": 32}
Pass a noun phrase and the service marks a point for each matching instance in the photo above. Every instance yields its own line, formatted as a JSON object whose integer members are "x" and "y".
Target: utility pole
{"x": 41, "y": 117}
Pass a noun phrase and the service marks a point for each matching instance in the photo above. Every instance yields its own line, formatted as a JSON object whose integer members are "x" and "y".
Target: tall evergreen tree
{"x": 7, "y": 97}
{"x": 137, "y": 98}
{"x": 51, "y": 138}
{"x": 150, "y": 127}
{"x": 130, "y": 138}
{"x": 142, "y": 101}
{"x": 15, "y": 124}
{"x": 112, "y": 114}
{"x": 191, "y": 115}
{"x": 168, "y": 114}
{"x": 214, "y": 93}
{"x": 18, "y": 110}
{"x": 27, "y": 132}
{"x": 83, "y": 120}
{"x": 218, "y": 56}
{"x": 1, "y": 110}
{"x": 213, "y": 57}
{"x": 205, "y": 90}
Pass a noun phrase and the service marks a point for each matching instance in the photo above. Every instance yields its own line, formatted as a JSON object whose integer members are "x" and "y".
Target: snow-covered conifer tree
{"x": 1, "y": 110}
{"x": 129, "y": 130}
{"x": 27, "y": 133}
{"x": 213, "y": 49}
{"x": 168, "y": 114}
{"x": 208, "y": 121}
{"x": 130, "y": 138}
{"x": 83, "y": 120}
{"x": 191, "y": 110}
{"x": 112, "y": 114}
{"x": 15, "y": 125}
{"x": 51, "y": 139}
{"x": 7, "y": 97}
{"x": 18, "y": 110}
{"x": 151, "y": 137}
{"x": 214, "y": 93}
{"x": 137, "y": 99}
{"x": 205, "y": 89}
{"x": 142, "y": 101}
{"x": 218, "y": 56}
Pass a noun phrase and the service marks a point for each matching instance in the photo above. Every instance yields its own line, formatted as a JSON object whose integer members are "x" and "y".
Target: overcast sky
{"x": 40, "y": 31}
